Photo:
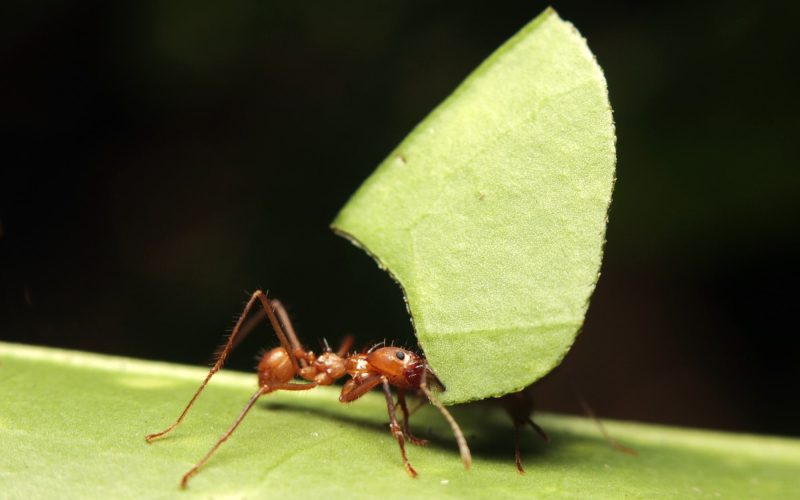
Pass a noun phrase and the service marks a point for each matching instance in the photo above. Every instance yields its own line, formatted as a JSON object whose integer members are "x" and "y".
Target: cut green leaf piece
{"x": 491, "y": 214}
{"x": 72, "y": 425}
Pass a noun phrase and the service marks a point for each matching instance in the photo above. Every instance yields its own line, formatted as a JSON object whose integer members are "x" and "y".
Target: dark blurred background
{"x": 160, "y": 159}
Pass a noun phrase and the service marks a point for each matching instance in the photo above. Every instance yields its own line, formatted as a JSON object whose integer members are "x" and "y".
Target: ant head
{"x": 402, "y": 367}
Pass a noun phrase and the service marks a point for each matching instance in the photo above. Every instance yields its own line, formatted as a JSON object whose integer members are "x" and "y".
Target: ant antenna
{"x": 463, "y": 449}
{"x": 379, "y": 344}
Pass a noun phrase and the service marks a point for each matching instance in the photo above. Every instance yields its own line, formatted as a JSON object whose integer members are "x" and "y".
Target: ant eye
{"x": 400, "y": 355}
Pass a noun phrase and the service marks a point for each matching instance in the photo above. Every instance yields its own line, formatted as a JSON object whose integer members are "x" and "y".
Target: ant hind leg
{"x": 194, "y": 470}
{"x": 236, "y": 334}
{"x": 260, "y": 392}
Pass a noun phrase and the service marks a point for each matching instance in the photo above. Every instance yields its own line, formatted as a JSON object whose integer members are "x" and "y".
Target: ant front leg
{"x": 401, "y": 401}
{"x": 395, "y": 428}
{"x": 355, "y": 388}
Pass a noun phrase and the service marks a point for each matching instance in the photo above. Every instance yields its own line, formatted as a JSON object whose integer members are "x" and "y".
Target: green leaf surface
{"x": 72, "y": 426}
{"x": 491, "y": 214}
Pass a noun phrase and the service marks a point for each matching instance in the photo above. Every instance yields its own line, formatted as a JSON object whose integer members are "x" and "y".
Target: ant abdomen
{"x": 275, "y": 367}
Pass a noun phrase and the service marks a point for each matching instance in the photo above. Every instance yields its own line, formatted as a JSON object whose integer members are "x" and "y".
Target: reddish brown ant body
{"x": 384, "y": 366}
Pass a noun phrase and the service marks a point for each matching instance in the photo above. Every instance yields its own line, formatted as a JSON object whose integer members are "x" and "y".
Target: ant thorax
{"x": 357, "y": 366}
{"x": 329, "y": 367}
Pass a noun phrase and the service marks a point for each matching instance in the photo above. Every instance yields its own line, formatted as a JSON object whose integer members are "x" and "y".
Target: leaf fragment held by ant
{"x": 498, "y": 282}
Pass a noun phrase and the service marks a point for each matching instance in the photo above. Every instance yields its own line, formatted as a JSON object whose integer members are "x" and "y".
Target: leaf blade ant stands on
{"x": 385, "y": 366}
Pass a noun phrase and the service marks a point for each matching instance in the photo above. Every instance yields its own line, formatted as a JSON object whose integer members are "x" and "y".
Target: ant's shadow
{"x": 340, "y": 416}
{"x": 488, "y": 429}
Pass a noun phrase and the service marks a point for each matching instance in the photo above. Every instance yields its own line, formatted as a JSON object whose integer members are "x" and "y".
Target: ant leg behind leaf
{"x": 517, "y": 436}
{"x": 519, "y": 406}
{"x": 237, "y": 333}
{"x": 611, "y": 441}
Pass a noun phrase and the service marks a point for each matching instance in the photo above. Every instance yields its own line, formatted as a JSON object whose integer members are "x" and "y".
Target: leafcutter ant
{"x": 381, "y": 366}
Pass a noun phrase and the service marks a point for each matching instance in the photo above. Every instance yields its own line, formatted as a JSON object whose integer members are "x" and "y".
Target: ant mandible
{"x": 384, "y": 366}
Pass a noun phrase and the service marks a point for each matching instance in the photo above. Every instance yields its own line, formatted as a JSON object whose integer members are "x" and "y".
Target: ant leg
{"x": 539, "y": 430}
{"x": 420, "y": 403}
{"x": 611, "y": 441}
{"x": 353, "y": 390}
{"x": 518, "y": 425}
{"x": 347, "y": 343}
{"x": 517, "y": 457}
{"x": 260, "y": 314}
{"x": 296, "y": 346}
{"x": 249, "y": 325}
{"x": 463, "y": 449}
{"x": 223, "y": 354}
{"x": 401, "y": 401}
{"x": 260, "y": 392}
{"x": 395, "y": 428}
{"x": 280, "y": 309}
{"x": 291, "y": 344}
